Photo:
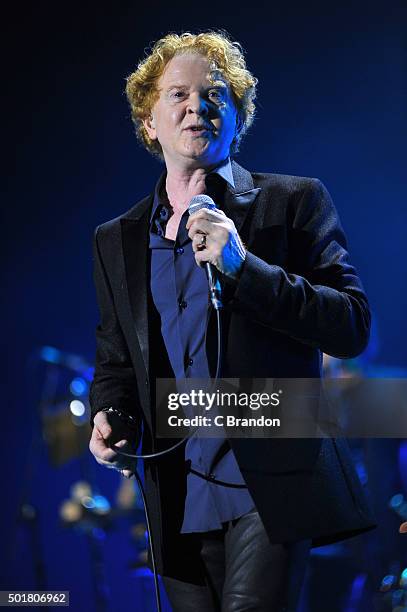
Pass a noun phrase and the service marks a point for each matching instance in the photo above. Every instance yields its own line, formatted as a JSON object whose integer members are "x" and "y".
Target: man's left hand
{"x": 215, "y": 239}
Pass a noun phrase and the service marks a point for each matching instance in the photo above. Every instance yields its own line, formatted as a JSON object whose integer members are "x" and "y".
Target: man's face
{"x": 194, "y": 118}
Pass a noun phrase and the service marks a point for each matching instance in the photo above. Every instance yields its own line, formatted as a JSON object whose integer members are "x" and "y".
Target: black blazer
{"x": 298, "y": 296}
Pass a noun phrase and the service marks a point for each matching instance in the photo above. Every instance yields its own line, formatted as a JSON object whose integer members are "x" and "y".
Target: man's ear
{"x": 149, "y": 125}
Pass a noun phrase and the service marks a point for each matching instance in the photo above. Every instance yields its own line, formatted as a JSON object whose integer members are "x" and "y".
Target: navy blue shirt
{"x": 180, "y": 293}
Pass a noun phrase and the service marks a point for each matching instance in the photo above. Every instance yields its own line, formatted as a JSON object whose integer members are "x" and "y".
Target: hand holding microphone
{"x": 215, "y": 240}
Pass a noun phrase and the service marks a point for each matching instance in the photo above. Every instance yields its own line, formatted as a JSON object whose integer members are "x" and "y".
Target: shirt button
{"x": 182, "y": 304}
{"x": 190, "y": 361}
{"x": 179, "y": 251}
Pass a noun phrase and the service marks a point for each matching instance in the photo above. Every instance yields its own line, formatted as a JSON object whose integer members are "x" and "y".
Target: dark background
{"x": 331, "y": 104}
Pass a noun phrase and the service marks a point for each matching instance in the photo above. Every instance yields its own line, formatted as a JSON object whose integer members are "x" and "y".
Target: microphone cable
{"x": 153, "y": 456}
{"x": 165, "y": 452}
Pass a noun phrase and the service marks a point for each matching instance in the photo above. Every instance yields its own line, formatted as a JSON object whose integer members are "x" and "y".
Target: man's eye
{"x": 215, "y": 94}
{"x": 178, "y": 94}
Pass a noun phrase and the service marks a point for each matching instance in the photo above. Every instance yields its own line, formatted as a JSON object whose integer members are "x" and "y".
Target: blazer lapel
{"x": 135, "y": 227}
{"x": 238, "y": 199}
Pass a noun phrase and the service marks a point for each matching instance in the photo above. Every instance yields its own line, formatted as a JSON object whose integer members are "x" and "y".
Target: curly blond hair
{"x": 225, "y": 55}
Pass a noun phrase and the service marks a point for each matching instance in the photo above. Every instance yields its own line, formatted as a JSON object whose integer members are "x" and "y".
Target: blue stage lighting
{"x": 102, "y": 505}
{"x": 50, "y": 354}
{"x": 78, "y": 387}
{"x": 396, "y": 500}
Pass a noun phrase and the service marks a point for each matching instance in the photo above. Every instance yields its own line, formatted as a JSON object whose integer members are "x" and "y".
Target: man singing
{"x": 289, "y": 294}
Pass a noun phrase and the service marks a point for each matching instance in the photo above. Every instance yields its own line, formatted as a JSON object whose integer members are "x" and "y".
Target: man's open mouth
{"x": 200, "y": 128}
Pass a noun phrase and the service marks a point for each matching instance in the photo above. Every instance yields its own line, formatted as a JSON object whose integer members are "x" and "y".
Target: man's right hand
{"x": 109, "y": 429}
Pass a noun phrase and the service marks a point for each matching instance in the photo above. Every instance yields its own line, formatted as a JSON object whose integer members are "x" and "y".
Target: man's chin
{"x": 202, "y": 153}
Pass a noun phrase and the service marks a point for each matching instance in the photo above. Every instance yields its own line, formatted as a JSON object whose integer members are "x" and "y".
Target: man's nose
{"x": 197, "y": 104}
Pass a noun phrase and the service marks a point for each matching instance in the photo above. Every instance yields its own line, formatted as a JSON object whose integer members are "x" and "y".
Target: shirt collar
{"x": 224, "y": 170}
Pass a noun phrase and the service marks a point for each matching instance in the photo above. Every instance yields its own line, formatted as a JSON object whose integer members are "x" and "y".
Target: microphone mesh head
{"x": 201, "y": 201}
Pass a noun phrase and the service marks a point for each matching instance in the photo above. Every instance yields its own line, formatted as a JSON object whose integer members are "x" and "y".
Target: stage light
{"x": 50, "y": 354}
{"x": 102, "y": 505}
{"x": 88, "y": 502}
{"x": 387, "y": 583}
{"x": 80, "y": 489}
{"x": 77, "y": 408}
{"x": 403, "y": 578}
{"x": 78, "y": 387}
{"x": 70, "y": 511}
{"x": 396, "y": 501}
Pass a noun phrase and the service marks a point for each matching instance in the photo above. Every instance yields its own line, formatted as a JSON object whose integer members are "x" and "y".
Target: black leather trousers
{"x": 242, "y": 571}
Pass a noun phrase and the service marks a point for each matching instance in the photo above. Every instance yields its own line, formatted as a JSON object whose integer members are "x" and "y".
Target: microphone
{"x": 215, "y": 293}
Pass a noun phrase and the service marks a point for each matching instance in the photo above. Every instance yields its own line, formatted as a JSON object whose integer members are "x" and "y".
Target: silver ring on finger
{"x": 202, "y": 242}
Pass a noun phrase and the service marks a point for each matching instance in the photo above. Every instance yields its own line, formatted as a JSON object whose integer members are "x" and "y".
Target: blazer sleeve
{"x": 324, "y": 307}
{"x": 114, "y": 382}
